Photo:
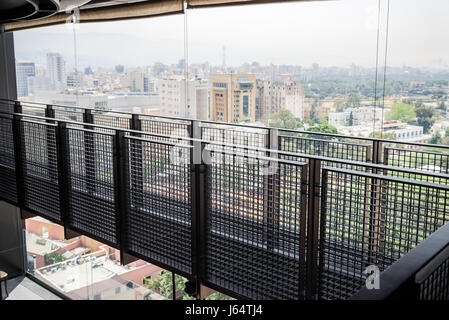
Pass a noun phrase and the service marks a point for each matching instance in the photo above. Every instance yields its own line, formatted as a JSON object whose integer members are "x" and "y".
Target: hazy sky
{"x": 337, "y": 33}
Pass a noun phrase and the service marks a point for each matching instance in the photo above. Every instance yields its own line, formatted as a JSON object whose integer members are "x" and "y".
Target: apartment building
{"x": 172, "y": 97}
{"x": 233, "y": 97}
{"x": 277, "y": 95}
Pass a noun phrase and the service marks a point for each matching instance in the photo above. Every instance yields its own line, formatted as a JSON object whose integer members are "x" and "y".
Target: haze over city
{"x": 335, "y": 33}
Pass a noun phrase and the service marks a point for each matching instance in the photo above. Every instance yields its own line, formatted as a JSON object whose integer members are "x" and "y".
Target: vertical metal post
{"x": 89, "y": 153}
{"x": 19, "y": 158}
{"x": 121, "y": 188}
{"x": 199, "y": 207}
{"x": 313, "y": 227}
{"x": 52, "y": 158}
{"x": 64, "y": 174}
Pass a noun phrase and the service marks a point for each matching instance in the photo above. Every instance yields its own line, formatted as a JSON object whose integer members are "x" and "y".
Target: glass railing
{"x": 80, "y": 274}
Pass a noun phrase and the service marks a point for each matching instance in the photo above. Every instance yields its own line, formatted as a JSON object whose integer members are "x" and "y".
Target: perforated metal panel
{"x": 436, "y": 285}
{"x": 92, "y": 198}
{"x": 422, "y": 161}
{"x": 39, "y": 159}
{"x": 8, "y": 189}
{"x": 33, "y": 109}
{"x": 253, "y": 137}
{"x": 71, "y": 114}
{"x": 175, "y": 128}
{"x": 371, "y": 220}
{"x": 159, "y": 222}
{"x": 255, "y": 221}
{"x": 325, "y": 148}
{"x": 111, "y": 120}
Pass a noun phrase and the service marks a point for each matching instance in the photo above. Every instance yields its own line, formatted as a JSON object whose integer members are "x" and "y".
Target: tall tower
{"x": 24, "y": 69}
{"x": 56, "y": 70}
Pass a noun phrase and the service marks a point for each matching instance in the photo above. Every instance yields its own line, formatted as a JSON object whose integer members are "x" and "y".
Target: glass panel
{"x": 83, "y": 268}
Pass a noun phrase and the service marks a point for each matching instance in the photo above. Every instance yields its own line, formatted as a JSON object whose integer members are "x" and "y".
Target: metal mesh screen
{"x": 170, "y": 128}
{"x": 92, "y": 198}
{"x": 158, "y": 225}
{"x": 253, "y": 137}
{"x": 325, "y": 148}
{"x": 71, "y": 114}
{"x": 436, "y": 285}
{"x": 111, "y": 120}
{"x": 254, "y": 235}
{"x": 8, "y": 189}
{"x": 39, "y": 160}
{"x": 35, "y": 110}
{"x": 422, "y": 161}
{"x": 371, "y": 220}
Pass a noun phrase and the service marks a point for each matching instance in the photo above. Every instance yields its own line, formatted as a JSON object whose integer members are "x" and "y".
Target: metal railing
{"x": 237, "y": 212}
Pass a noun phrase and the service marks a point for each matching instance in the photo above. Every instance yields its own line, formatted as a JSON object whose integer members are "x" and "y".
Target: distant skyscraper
{"x": 233, "y": 97}
{"x": 24, "y": 69}
{"x": 56, "y": 71}
{"x": 119, "y": 68}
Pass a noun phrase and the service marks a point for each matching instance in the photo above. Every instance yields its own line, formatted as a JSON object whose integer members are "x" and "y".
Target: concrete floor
{"x": 22, "y": 288}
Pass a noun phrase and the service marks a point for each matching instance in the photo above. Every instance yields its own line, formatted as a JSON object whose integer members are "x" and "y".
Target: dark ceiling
{"x": 25, "y": 10}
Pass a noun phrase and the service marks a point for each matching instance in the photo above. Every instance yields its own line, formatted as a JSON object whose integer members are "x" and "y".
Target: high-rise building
{"x": 56, "y": 71}
{"x": 277, "y": 95}
{"x": 172, "y": 97}
{"x": 139, "y": 81}
{"x": 233, "y": 97}
{"x": 24, "y": 69}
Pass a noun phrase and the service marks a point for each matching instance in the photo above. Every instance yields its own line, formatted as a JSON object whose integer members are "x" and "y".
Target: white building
{"x": 172, "y": 97}
{"x": 134, "y": 102}
{"x": 274, "y": 96}
{"x": 360, "y": 116}
{"x": 38, "y": 83}
{"x": 82, "y": 99}
{"x": 24, "y": 70}
{"x": 56, "y": 71}
{"x": 399, "y": 130}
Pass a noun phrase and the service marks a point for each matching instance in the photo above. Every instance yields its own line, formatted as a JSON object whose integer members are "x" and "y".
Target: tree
{"x": 401, "y": 111}
{"x": 284, "y": 119}
{"x": 314, "y": 111}
{"x": 163, "y": 285}
{"x": 436, "y": 138}
{"x": 425, "y": 116}
{"x": 323, "y": 128}
{"x": 52, "y": 258}
{"x": 446, "y": 134}
{"x": 351, "y": 120}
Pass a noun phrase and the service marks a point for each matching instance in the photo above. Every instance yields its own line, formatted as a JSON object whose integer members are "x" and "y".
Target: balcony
{"x": 253, "y": 212}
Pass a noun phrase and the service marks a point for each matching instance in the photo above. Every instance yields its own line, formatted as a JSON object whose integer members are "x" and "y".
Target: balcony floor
{"x": 22, "y": 288}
